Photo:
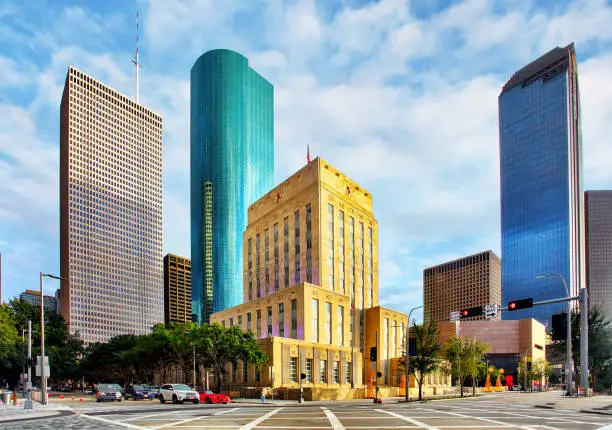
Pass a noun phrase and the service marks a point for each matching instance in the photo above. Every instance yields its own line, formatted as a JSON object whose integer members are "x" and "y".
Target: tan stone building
{"x": 310, "y": 257}
{"x": 461, "y": 284}
{"x": 177, "y": 289}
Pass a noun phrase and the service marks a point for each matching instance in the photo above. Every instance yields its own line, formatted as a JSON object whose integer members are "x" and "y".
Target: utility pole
{"x": 194, "y": 369}
{"x": 408, "y": 353}
{"x": 28, "y": 401}
{"x": 584, "y": 339}
{"x": 43, "y": 375}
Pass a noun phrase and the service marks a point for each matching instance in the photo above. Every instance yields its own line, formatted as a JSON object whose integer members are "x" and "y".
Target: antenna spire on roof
{"x": 307, "y": 153}
{"x": 135, "y": 60}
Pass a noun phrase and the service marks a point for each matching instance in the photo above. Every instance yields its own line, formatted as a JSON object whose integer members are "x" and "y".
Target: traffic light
{"x": 559, "y": 326}
{"x": 515, "y": 305}
{"x": 373, "y": 353}
{"x": 471, "y": 312}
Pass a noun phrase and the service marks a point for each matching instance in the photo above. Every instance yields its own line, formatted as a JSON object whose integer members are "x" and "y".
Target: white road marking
{"x": 333, "y": 420}
{"x": 500, "y": 423}
{"x": 262, "y": 418}
{"x": 152, "y": 415}
{"x": 119, "y": 423}
{"x": 608, "y": 427}
{"x": 410, "y": 420}
{"x": 176, "y": 423}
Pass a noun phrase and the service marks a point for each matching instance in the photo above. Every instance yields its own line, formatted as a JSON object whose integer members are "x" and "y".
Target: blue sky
{"x": 400, "y": 95}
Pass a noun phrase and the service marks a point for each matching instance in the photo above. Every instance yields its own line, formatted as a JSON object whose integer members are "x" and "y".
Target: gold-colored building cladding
{"x": 310, "y": 259}
{"x": 110, "y": 211}
{"x": 177, "y": 289}
{"x": 461, "y": 284}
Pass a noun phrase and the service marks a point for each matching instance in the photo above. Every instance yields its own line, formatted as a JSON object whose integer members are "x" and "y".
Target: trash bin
{"x": 4, "y": 396}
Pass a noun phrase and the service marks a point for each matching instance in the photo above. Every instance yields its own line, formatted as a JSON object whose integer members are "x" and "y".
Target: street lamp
{"x": 568, "y": 378}
{"x": 43, "y": 376}
{"x": 525, "y": 370}
{"x": 408, "y": 353}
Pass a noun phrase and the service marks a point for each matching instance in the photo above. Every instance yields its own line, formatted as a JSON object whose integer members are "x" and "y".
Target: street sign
{"x": 455, "y": 316}
{"x": 491, "y": 310}
{"x": 47, "y": 371}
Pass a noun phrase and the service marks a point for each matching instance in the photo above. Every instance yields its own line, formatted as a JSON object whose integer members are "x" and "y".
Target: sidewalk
{"x": 10, "y": 412}
{"x": 556, "y": 400}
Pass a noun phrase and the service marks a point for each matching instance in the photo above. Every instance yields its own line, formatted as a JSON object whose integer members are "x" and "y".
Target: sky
{"x": 400, "y": 95}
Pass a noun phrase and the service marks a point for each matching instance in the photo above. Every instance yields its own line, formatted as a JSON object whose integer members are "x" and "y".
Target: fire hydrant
{"x": 14, "y": 397}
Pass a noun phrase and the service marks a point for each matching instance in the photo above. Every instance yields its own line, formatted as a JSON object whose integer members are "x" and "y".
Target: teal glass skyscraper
{"x": 232, "y": 165}
{"x": 541, "y": 184}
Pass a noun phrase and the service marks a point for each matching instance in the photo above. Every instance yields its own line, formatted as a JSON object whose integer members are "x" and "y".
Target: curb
{"x": 594, "y": 411}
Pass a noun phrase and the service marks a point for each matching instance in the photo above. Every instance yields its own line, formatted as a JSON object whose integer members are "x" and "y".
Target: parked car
{"x": 155, "y": 390}
{"x": 210, "y": 397}
{"x": 178, "y": 393}
{"x": 110, "y": 392}
{"x": 139, "y": 392}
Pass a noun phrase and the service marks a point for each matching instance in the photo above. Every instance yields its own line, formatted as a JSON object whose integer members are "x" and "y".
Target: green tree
{"x": 600, "y": 345}
{"x": 8, "y": 332}
{"x": 465, "y": 357}
{"x": 427, "y": 358}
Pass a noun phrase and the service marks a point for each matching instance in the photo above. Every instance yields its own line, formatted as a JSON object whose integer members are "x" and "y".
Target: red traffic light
{"x": 464, "y": 312}
{"x": 476, "y": 311}
{"x": 516, "y": 305}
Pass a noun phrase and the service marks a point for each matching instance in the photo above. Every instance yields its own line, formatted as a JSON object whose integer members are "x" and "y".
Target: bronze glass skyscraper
{"x": 177, "y": 289}
{"x": 110, "y": 211}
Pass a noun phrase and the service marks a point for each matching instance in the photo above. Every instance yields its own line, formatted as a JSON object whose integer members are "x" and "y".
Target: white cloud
{"x": 405, "y": 106}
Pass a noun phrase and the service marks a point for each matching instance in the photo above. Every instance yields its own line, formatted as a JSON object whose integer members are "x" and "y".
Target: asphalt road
{"x": 455, "y": 414}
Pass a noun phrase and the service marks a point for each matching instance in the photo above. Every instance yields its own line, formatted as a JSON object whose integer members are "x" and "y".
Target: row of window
{"x": 323, "y": 371}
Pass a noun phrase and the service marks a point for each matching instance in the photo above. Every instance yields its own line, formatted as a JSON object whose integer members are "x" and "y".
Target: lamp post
{"x": 408, "y": 353}
{"x": 525, "y": 372}
{"x": 43, "y": 376}
{"x": 569, "y": 331}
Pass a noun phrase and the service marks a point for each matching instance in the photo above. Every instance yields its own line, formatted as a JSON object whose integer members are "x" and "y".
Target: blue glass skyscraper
{"x": 232, "y": 165}
{"x": 541, "y": 183}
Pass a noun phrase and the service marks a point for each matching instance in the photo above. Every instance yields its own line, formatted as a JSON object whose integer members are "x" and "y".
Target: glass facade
{"x": 541, "y": 197}
{"x": 232, "y": 165}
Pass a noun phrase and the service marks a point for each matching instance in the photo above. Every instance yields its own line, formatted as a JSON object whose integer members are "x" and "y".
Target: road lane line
{"x": 152, "y": 415}
{"x": 488, "y": 420}
{"x": 118, "y": 423}
{"x": 262, "y": 418}
{"x": 176, "y": 423}
{"x": 333, "y": 420}
{"x": 408, "y": 419}
{"x": 608, "y": 427}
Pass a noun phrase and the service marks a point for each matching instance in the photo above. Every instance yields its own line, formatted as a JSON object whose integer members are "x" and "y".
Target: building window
{"x": 257, "y": 374}
{"x": 323, "y": 371}
{"x": 393, "y": 339}
{"x": 249, "y": 328}
{"x": 294, "y": 319}
{"x": 330, "y": 231}
{"x": 293, "y": 369}
{"x": 347, "y": 374}
{"x": 370, "y": 264}
{"x": 223, "y": 323}
{"x": 281, "y": 319}
{"x": 337, "y": 372}
{"x": 286, "y": 251}
{"x": 258, "y": 264}
{"x": 328, "y": 329}
{"x": 297, "y": 277}
{"x": 240, "y": 321}
{"x": 352, "y": 257}
{"x": 267, "y": 261}
{"x": 231, "y": 322}
{"x": 341, "y": 268}
{"x": 258, "y": 323}
{"x": 309, "y": 370}
{"x": 269, "y": 321}
{"x": 340, "y": 325}
{"x": 276, "y": 258}
{"x": 245, "y": 370}
{"x": 309, "y": 243}
{"x": 315, "y": 320}
{"x": 234, "y": 373}
{"x": 402, "y": 347}
{"x": 250, "y": 267}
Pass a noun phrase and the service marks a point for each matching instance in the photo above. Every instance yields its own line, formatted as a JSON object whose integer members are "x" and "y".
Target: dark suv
{"x": 138, "y": 392}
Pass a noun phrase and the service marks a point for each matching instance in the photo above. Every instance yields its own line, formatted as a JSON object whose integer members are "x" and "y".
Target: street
{"x": 482, "y": 413}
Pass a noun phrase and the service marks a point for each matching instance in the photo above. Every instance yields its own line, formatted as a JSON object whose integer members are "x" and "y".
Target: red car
{"x": 210, "y": 397}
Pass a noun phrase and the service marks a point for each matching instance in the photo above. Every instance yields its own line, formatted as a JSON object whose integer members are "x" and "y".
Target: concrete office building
{"x": 461, "y": 284}
{"x": 33, "y": 297}
{"x": 232, "y": 165}
{"x": 598, "y": 211}
{"x": 310, "y": 256}
{"x": 542, "y": 211}
{"x": 110, "y": 211}
{"x": 177, "y": 289}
